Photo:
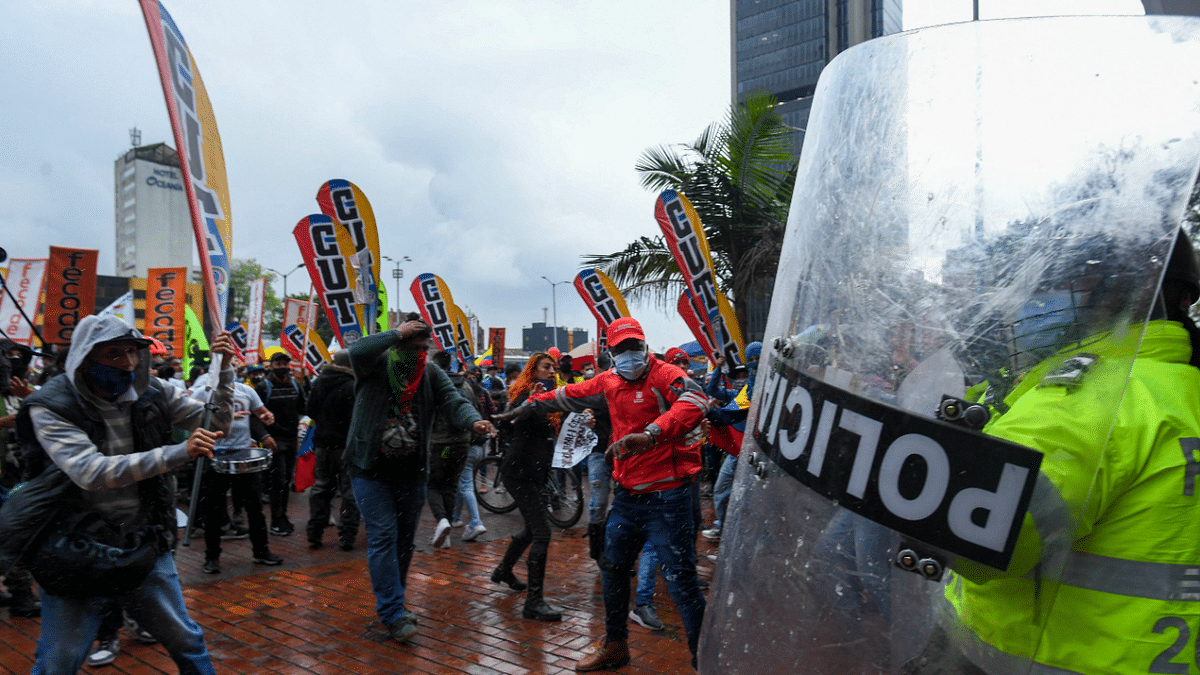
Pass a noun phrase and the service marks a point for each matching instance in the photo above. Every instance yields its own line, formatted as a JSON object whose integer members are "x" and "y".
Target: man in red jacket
{"x": 653, "y": 405}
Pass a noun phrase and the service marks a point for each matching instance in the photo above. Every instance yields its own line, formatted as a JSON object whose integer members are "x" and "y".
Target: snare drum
{"x": 247, "y": 460}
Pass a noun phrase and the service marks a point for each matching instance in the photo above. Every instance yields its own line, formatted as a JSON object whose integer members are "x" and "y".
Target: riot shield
{"x": 980, "y": 209}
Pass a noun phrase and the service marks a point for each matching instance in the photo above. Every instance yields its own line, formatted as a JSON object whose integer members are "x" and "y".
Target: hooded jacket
{"x": 115, "y": 454}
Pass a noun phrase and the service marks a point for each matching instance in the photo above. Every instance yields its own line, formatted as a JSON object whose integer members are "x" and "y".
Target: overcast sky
{"x": 495, "y": 139}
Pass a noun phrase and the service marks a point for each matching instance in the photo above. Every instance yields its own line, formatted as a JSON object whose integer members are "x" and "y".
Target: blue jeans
{"x": 647, "y": 574}
{"x": 70, "y": 624}
{"x": 723, "y": 488}
{"x": 600, "y": 476}
{"x": 664, "y": 519}
{"x": 855, "y": 553}
{"x": 466, "y": 487}
{"x": 390, "y": 512}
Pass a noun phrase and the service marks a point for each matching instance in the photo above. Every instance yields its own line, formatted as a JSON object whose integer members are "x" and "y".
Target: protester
{"x": 284, "y": 397}
{"x": 330, "y": 405}
{"x": 103, "y": 424}
{"x": 655, "y": 461}
{"x": 450, "y": 447}
{"x": 387, "y": 454}
{"x": 250, "y": 418}
{"x": 14, "y": 387}
{"x": 524, "y": 472}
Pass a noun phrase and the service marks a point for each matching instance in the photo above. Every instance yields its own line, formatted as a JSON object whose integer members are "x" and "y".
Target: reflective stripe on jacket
{"x": 1106, "y": 574}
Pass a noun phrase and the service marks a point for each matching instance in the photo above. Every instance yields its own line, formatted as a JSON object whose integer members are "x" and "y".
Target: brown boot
{"x": 606, "y": 655}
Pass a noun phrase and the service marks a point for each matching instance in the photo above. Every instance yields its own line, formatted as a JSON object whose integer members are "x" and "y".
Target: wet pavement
{"x": 316, "y": 613}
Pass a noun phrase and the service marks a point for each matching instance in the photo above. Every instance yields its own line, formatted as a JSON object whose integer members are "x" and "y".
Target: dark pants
{"x": 331, "y": 482}
{"x": 535, "y": 535}
{"x": 445, "y": 470}
{"x": 214, "y": 486}
{"x": 282, "y": 474}
{"x": 665, "y": 518}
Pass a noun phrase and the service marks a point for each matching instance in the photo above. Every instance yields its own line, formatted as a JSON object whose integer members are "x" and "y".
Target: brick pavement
{"x": 315, "y": 613}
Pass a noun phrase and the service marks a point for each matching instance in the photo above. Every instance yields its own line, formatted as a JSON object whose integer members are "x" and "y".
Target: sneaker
{"x": 267, "y": 558}
{"x": 346, "y": 546}
{"x": 235, "y": 532}
{"x": 315, "y": 545}
{"x": 441, "y": 533}
{"x": 473, "y": 531}
{"x": 402, "y": 629}
{"x": 140, "y": 634}
{"x": 646, "y": 617}
{"x": 282, "y": 530}
{"x": 713, "y": 533}
{"x": 457, "y": 522}
{"x": 211, "y": 566}
{"x": 712, "y": 557}
{"x": 104, "y": 653}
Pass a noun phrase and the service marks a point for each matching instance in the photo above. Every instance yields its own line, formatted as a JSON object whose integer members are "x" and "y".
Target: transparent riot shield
{"x": 981, "y": 209}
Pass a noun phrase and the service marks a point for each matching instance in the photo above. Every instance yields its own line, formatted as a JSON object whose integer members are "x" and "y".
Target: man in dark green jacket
{"x": 388, "y": 449}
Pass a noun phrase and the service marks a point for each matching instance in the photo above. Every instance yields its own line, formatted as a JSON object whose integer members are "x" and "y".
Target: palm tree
{"x": 739, "y": 176}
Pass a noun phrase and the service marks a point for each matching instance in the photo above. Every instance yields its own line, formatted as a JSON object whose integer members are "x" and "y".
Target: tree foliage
{"x": 739, "y": 176}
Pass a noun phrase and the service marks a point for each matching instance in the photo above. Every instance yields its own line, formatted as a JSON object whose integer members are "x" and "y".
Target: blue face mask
{"x": 548, "y": 384}
{"x": 630, "y": 365}
{"x": 112, "y": 381}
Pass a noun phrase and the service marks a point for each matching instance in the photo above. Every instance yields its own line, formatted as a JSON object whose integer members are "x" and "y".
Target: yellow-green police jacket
{"x": 1123, "y": 513}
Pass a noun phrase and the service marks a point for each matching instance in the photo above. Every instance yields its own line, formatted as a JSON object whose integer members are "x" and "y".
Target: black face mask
{"x": 281, "y": 373}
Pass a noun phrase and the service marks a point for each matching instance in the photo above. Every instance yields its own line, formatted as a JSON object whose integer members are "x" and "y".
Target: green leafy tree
{"x": 242, "y": 274}
{"x": 739, "y": 176}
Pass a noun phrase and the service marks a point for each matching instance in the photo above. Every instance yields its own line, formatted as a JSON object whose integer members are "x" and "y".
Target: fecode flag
{"x": 435, "y": 302}
{"x": 958, "y": 490}
{"x": 685, "y": 237}
{"x": 601, "y": 296}
{"x": 200, "y": 154}
{"x": 70, "y": 292}
{"x": 311, "y": 356}
{"x": 345, "y": 203}
{"x": 332, "y": 276}
{"x": 496, "y": 343}
{"x": 25, "y": 280}
{"x": 254, "y": 318}
{"x": 166, "y": 295}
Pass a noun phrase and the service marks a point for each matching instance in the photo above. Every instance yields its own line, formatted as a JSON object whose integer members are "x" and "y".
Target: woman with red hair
{"x": 525, "y": 470}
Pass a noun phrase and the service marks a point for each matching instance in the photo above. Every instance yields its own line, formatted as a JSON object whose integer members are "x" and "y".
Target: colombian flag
{"x": 485, "y": 359}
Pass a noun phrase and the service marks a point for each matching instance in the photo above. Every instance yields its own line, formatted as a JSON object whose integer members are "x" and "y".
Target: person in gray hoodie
{"x": 105, "y": 423}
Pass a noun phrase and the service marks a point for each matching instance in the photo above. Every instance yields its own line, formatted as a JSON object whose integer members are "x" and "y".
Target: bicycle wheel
{"x": 489, "y": 491}
{"x": 564, "y": 498}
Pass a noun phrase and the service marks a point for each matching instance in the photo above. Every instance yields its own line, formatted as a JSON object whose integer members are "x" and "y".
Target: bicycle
{"x": 563, "y": 492}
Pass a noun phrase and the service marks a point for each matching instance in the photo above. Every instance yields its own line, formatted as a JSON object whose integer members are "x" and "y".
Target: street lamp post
{"x": 284, "y": 276}
{"x": 554, "y": 304}
{"x": 398, "y": 274}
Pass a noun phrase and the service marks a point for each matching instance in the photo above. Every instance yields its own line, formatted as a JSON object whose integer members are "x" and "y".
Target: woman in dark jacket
{"x": 524, "y": 472}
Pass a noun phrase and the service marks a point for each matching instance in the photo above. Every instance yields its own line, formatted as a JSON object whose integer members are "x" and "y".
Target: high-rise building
{"x": 153, "y": 224}
{"x": 781, "y": 46}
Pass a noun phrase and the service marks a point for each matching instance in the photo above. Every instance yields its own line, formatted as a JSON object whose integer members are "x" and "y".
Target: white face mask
{"x": 588, "y": 373}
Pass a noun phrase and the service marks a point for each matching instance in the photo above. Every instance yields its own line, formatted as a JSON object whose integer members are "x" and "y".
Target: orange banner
{"x": 166, "y": 294}
{"x": 70, "y": 292}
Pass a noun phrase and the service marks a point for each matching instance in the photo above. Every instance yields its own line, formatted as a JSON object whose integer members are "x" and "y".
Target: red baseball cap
{"x": 674, "y": 355}
{"x": 626, "y": 328}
